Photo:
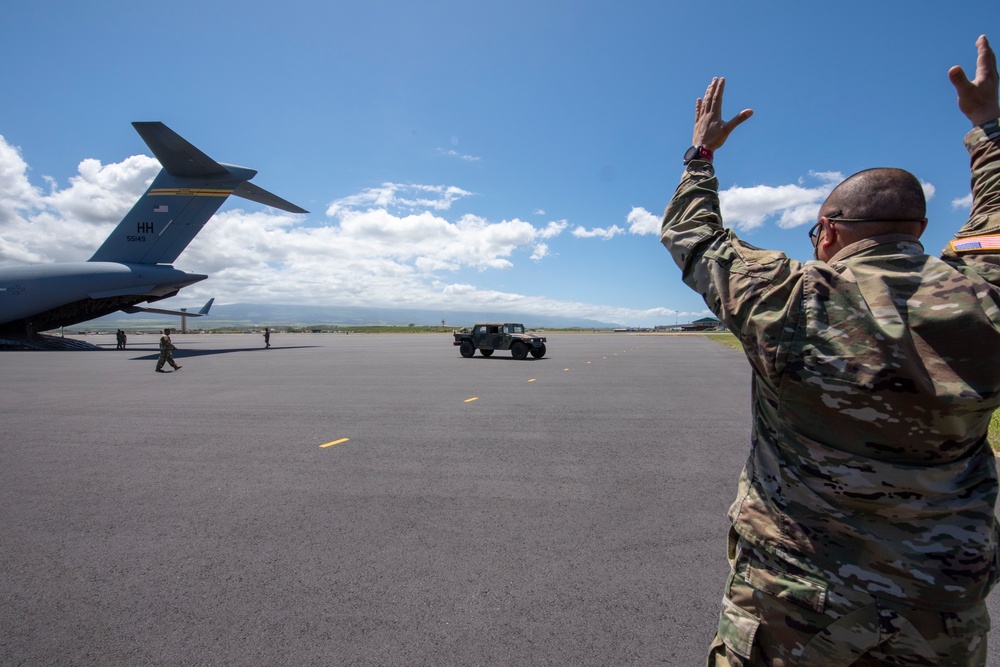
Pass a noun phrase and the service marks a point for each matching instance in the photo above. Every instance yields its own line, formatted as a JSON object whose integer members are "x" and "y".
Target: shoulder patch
{"x": 988, "y": 243}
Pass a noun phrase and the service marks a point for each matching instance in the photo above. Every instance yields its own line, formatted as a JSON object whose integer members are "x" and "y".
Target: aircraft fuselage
{"x": 47, "y": 296}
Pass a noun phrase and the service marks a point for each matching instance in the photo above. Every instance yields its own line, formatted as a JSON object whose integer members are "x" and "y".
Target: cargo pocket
{"x": 737, "y": 628}
{"x": 787, "y": 586}
{"x": 971, "y": 622}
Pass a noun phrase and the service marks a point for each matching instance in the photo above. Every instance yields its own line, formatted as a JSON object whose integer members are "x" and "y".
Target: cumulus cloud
{"x": 641, "y": 221}
{"x": 963, "y": 202}
{"x": 394, "y": 245}
{"x": 399, "y": 197}
{"x": 67, "y": 224}
{"x": 16, "y": 193}
{"x": 606, "y": 233}
{"x": 747, "y": 208}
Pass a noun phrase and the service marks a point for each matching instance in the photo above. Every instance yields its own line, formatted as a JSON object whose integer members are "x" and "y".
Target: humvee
{"x": 488, "y": 337}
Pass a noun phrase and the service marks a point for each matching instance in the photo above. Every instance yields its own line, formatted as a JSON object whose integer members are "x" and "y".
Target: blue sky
{"x": 464, "y": 156}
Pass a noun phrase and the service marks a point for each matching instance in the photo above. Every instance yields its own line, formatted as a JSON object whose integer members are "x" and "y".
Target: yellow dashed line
{"x": 531, "y": 380}
{"x": 470, "y": 400}
{"x": 335, "y": 442}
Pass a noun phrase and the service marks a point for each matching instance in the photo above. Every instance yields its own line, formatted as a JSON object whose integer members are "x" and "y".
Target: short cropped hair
{"x": 883, "y": 193}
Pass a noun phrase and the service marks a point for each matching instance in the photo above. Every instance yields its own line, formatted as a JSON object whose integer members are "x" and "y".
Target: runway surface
{"x": 368, "y": 500}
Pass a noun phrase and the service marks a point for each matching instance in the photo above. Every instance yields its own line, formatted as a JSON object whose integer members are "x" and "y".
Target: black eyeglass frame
{"x": 833, "y": 217}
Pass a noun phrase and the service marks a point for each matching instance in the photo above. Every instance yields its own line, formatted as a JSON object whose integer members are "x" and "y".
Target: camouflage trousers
{"x": 166, "y": 357}
{"x": 776, "y": 615}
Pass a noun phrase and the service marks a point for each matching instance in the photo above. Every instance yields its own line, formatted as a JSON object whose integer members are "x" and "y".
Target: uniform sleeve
{"x": 753, "y": 292}
{"x": 984, "y": 220}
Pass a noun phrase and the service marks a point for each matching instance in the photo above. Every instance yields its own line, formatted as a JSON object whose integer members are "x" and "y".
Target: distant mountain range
{"x": 261, "y": 315}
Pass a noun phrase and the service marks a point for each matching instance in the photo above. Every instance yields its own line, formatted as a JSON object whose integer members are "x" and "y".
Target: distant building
{"x": 704, "y": 324}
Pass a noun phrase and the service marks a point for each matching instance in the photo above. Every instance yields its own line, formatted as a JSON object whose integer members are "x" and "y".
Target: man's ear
{"x": 830, "y": 235}
{"x": 923, "y": 227}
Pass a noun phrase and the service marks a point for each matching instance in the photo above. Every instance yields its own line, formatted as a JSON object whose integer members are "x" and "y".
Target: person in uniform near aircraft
{"x": 166, "y": 353}
{"x": 863, "y": 532}
{"x": 267, "y": 338}
{"x": 118, "y": 339}
{"x": 124, "y": 339}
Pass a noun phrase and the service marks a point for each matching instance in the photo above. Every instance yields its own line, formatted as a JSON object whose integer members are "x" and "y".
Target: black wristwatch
{"x": 698, "y": 153}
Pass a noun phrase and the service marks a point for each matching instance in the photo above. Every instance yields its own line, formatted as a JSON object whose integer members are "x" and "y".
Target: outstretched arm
{"x": 709, "y": 128}
{"x": 978, "y": 98}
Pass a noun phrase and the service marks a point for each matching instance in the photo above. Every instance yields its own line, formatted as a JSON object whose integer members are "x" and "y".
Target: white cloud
{"x": 747, "y": 208}
{"x": 16, "y": 193}
{"x": 455, "y": 154}
{"x": 394, "y": 245}
{"x": 642, "y": 221}
{"x": 606, "y": 233}
{"x": 928, "y": 189}
{"x": 963, "y": 202}
{"x": 67, "y": 224}
{"x": 553, "y": 229}
{"x": 792, "y": 205}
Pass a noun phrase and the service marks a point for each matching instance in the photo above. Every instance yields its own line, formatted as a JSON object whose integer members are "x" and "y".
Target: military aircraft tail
{"x": 188, "y": 191}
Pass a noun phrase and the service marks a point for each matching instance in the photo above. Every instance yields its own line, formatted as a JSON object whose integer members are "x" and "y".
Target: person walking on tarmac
{"x": 267, "y": 338}
{"x": 166, "y": 353}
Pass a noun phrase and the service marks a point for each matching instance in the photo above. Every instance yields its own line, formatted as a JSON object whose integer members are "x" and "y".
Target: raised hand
{"x": 709, "y": 128}
{"x": 978, "y": 99}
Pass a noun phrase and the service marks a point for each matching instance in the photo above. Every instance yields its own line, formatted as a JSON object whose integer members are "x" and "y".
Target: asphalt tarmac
{"x": 368, "y": 500}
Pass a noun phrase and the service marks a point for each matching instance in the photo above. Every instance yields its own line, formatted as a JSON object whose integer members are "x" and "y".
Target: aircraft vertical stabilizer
{"x": 184, "y": 195}
{"x": 133, "y": 264}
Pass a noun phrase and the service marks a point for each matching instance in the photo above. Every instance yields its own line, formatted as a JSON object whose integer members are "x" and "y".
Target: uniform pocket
{"x": 971, "y": 622}
{"x": 737, "y": 628}
{"x": 788, "y": 586}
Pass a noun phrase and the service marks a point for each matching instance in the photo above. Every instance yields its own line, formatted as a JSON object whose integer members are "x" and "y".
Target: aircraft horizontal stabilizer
{"x": 262, "y": 196}
{"x": 177, "y": 155}
{"x": 180, "y": 313}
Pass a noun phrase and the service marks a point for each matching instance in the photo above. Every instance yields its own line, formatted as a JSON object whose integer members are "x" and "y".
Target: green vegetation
{"x": 369, "y": 329}
{"x": 726, "y": 339}
{"x": 994, "y": 432}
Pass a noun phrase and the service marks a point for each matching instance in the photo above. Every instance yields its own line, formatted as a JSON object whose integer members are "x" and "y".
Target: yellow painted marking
{"x": 588, "y": 362}
{"x": 531, "y": 380}
{"x": 470, "y": 400}
{"x": 189, "y": 192}
{"x": 335, "y": 442}
{"x": 565, "y": 369}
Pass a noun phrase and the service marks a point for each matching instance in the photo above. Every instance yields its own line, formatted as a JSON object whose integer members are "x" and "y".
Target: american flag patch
{"x": 162, "y": 208}
{"x": 976, "y": 243}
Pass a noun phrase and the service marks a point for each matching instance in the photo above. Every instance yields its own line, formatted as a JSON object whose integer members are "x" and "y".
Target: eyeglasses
{"x": 835, "y": 217}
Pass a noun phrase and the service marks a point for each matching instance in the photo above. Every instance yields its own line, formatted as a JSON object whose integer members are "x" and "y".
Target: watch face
{"x": 691, "y": 154}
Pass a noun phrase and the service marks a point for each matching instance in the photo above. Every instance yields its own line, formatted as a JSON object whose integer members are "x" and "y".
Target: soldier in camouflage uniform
{"x": 863, "y": 532}
{"x": 166, "y": 353}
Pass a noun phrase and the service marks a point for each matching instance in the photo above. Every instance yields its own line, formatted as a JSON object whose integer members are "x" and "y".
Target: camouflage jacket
{"x": 166, "y": 345}
{"x": 874, "y": 378}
